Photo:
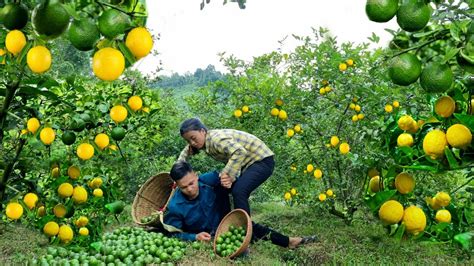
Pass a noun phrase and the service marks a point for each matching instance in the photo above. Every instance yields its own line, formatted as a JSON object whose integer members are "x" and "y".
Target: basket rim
{"x": 140, "y": 191}
{"x": 248, "y": 234}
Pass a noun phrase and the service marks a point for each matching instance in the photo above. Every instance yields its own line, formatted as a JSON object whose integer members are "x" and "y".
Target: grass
{"x": 363, "y": 242}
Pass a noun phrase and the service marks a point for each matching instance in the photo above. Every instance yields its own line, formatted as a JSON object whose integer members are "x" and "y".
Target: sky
{"x": 191, "y": 38}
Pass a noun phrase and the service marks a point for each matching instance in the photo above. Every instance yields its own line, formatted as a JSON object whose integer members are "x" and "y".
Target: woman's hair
{"x": 190, "y": 125}
{"x": 180, "y": 169}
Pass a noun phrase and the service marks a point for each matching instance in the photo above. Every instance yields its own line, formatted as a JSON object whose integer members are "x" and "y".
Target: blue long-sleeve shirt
{"x": 197, "y": 215}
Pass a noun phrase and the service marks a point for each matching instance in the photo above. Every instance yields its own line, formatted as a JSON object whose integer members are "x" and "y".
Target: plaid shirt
{"x": 236, "y": 148}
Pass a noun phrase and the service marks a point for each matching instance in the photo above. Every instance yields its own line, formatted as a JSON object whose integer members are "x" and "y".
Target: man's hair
{"x": 180, "y": 169}
{"x": 190, "y": 125}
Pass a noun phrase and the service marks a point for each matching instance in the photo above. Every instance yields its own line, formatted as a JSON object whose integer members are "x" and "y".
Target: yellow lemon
{"x": 357, "y": 108}
{"x": 414, "y": 219}
{"x": 282, "y": 115}
{"x": 82, "y": 221}
{"x": 65, "y": 190}
{"x": 350, "y": 62}
{"x": 459, "y": 136}
{"x": 83, "y": 231}
{"x": 38, "y": 59}
{"x": 290, "y": 132}
{"x": 442, "y": 199}
{"x": 96, "y": 182}
{"x": 15, "y": 41}
{"x": 85, "y": 151}
{"x": 443, "y": 216}
{"x": 334, "y": 141}
{"x": 374, "y": 184}
{"x": 344, "y": 148}
{"x": 30, "y": 200}
{"x": 355, "y": 118}
{"x": 293, "y": 191}
{"x": 309, "y": 168}
{"x": 238, "y": 113}
{"x": 98, "y": 193}
{"x": 47, "y": 135}
{"x": 434, "y": 144}
{"x": 51, "y": 228}
{"x": 33, "y": 124}
{"x": 396, "y": 104}
{"x": 318, "y": 173}
{"x": 101, "y": 140}
{"x": 65, "y": 233}
{"x": 329, "y": 192}
{"x": 342, "y": 67}
{"x": 139, "y": 42}
{"x": 391, "y": 212}
{"x": 118, "y": 113}
{"x": 404, "y": 183}
{"x": 405, "y": 140}
{"x": 135, "y": 103}
{"x": 79, "y": 195}
{"x": 274, "y": 112}
{"x": 245, "y": 109}
{"x": 322, "y": 197}
{"x": 360, "y": 116}
{"x": 73, "y": 172}
{"x": 297, "y": 128}
{"x": 108, "y": 64}
{"x": 388, "y": 108}
{"x": 14, "y": 210}
{"x": 445, "y": 106}
{"x": 287, "y": 196}
{"x": 59, "y": 210}
{"x": 279, "y": 102}
{"x": 405, "y": 122}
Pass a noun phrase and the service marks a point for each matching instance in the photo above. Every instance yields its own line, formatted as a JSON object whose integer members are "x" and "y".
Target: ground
{"x": 363, "y": 242}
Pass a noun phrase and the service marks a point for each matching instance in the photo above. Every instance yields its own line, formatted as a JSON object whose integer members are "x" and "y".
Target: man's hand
{"x": 203, "y": 236}
{"x": 226, "y": 180}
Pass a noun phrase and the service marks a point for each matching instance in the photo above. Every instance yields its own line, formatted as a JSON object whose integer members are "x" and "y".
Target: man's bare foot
{"x": 294, "y": 242}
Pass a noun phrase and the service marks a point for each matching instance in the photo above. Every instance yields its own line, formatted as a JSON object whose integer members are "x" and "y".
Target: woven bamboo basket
{"x": 237, "y": 217}
{"x": 152, "y": 198}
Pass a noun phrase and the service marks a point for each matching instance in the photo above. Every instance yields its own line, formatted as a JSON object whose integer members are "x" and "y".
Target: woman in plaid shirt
{"x": 249, "y": 162}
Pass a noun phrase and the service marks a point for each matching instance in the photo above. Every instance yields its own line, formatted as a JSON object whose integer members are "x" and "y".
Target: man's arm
{"x": 210, "y": 178}
{"x": 176, "y": 220}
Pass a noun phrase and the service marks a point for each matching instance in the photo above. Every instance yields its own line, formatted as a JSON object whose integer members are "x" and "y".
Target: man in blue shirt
{"x": 200, "y": 203}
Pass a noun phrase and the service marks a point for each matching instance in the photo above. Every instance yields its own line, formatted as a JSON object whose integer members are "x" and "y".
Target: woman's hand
{"x": 226, "y": 180}
{"x": 203, "y": 236}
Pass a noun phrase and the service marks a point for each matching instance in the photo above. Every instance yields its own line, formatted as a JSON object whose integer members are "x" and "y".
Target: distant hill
{"x": 183, "y": 85}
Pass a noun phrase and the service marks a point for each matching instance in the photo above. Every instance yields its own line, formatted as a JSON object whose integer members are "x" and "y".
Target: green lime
{"x": 436, "y": 77}
{"x": 78, "y": 124}
{"x": 381, "y": 10}
{"x": 118, "y": 133}
{"x": 68, "y": 137}
{"x": 14, "y": 16}
{"x": 413, "y": 15}
{"x": 113, "y": 22}
{"x": 50, "y": 20}
{"x": 83, "y": 34}
{"x": 404, "y": 69}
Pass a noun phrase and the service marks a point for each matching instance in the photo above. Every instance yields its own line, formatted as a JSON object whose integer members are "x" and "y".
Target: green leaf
{"x": 130, "y": 59}
{"x": 453, "y": 164}
{"x": 422, "y": 167}
{"x": 378, "y": 199}
{"x": 467, "y": 120}
{"x": 32, "y": 91}
{"x": 399, "y": 233}
{"x": 455, "y": 32}
{"x": 464, "y": 240}
{"x": 450, "y": 53}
